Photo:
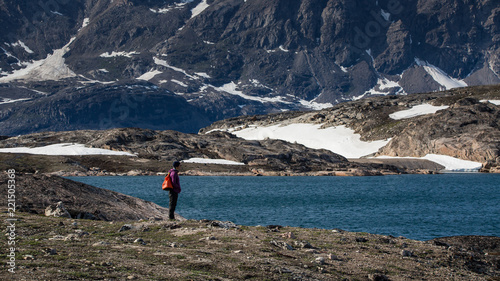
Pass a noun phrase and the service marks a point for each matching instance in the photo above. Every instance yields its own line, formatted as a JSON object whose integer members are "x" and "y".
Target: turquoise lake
{"x": 418, "y": 207}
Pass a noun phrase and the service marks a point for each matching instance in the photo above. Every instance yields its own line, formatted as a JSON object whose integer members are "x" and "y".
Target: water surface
{"x": 415, "y": 206}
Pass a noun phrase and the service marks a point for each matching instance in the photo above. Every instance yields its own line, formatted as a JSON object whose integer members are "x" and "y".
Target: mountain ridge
{"x": 232, "y": 57}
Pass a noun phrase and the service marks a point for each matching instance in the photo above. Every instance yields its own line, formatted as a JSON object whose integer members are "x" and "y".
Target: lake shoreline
{"x": 387, "y": 167}
{"x": 107, "y": 165}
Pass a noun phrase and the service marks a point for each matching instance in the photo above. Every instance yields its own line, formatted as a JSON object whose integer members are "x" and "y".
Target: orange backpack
{"x": 167, "y": 183}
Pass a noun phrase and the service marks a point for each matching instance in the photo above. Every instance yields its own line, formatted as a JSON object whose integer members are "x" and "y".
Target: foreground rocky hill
{"x": 57, "y": 248}
{"x": 227, "y": 58}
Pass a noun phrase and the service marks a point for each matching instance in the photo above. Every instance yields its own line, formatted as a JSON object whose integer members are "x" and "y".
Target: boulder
{"x": 57, "y": 210}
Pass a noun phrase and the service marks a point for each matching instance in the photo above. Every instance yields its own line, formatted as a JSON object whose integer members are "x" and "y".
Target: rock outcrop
{"x": 57, "y": 210}
{"x": 469, "y": 129}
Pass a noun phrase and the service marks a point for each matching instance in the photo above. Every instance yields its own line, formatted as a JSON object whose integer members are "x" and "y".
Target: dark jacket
{"x": 174, "y": 175}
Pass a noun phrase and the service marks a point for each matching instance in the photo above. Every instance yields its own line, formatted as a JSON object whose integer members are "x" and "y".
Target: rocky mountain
{"x": 466, "y": 126}
{"x": 226, "y": 58}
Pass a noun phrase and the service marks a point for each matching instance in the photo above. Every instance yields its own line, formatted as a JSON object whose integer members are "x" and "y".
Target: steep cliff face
{"x": 236, "y": 57}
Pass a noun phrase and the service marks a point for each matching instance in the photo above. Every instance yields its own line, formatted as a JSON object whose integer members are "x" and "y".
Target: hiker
{"x": 174, "y": 192}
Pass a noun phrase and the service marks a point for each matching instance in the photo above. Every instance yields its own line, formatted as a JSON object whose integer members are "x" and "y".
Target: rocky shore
{"x": 271, "y": 165}
{"x": 130, "y": 239}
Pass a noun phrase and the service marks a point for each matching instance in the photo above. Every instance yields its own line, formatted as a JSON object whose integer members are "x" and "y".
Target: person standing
{"x": 174, "y": 192}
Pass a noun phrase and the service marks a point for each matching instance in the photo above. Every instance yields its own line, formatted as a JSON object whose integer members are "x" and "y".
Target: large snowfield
{"x": 340, "y": 140}
{"x": 343, "y": 141}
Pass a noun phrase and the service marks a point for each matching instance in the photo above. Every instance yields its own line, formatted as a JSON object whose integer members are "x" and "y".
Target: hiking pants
{"x": 173, "y": 203}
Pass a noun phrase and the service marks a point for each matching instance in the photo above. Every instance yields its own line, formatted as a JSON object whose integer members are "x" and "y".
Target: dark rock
{"x": 378, "y": 277}
{"x": 125, "y": 227}
{"x": 361, "y": 239}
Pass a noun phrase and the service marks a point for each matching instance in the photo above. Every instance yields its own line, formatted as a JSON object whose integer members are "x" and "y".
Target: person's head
{"x": 176, "y": 164}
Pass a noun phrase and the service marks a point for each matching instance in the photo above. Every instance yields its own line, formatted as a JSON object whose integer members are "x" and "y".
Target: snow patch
{"x": 283, "y": 49}
{"x": 490, "y": 64}
{"x": 50, "y": 68}
{"x": 454, "y": 164}
{"x": 6, "y": 100}
{"x": 9, "y": 55}
{"x": 315, "y": 105}
{"x": 385, "y": 15}
{"x": 415, "y": 111}
{"x": 86, "y": 22}
{"x": 495, "y": 102}
{"x": 160, "y": 62}
{"x": 386, "y": 84}
{"x": 340, "y": 140}
{"x": 149, "y": 75}
{"x": 118, "y": 54}
{"x": 171, "y": 7}
{"x": 161, "y": 11}
{"x": 369, "y": 52}
{"x": 257, "y": 83}
{"x": 202, "y": 74}
{"x": 212, "y": 161}
{"x": 64, "y": 149}
{"x": 165, "y": 64}
{"x": 179, "y": 83}
{"x": 22, "y": 45}
{"x": 199, "y": 8}
{"x": 382, "y": 84}
{"x": 230, "y": 88}
{"x": 440, "y": 76}
{"x": 451, "y": 164}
